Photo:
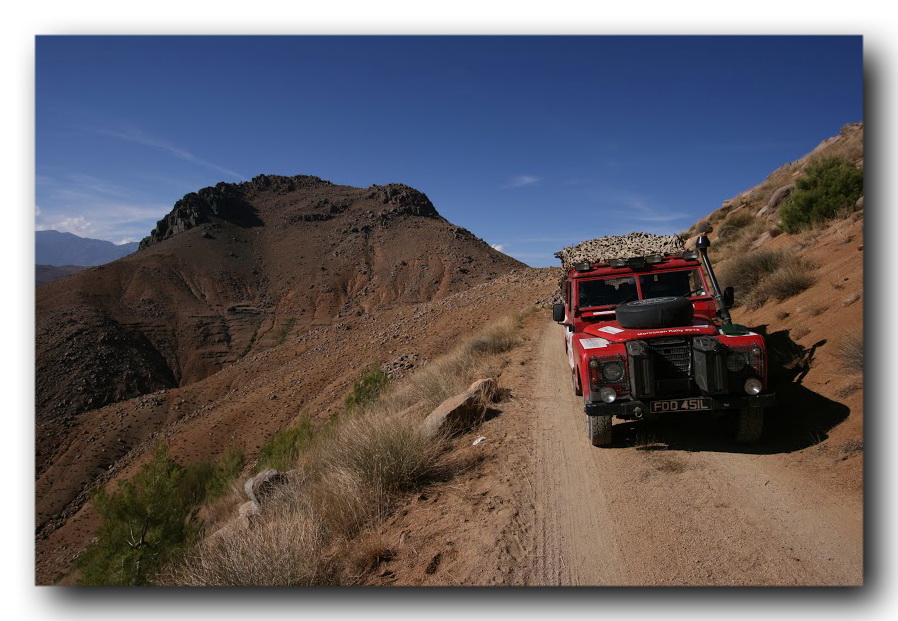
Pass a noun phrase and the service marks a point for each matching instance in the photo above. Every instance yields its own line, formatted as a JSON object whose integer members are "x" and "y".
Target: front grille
{"x": 673, "y": 358}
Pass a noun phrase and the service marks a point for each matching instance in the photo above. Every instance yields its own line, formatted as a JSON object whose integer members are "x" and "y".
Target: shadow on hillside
{"x": 239, "y": 211}
{"x": 801, "y": 417}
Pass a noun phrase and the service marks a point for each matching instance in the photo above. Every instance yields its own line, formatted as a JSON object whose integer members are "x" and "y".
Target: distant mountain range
{"x": 56, "y": 248}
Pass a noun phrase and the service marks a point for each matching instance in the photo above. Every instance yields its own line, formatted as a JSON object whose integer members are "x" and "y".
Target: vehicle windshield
{"x": 606, "y": 292}
{"x": 679, "y": 284}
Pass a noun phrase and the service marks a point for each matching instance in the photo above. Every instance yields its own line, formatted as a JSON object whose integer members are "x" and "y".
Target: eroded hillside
{"x": 233, "y": 270}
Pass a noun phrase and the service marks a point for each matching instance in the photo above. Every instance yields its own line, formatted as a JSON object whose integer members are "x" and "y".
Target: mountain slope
{"x": 230, "y": 271}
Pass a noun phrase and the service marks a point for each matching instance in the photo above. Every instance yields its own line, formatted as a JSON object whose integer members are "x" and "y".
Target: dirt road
{"x": 643, "y": 513}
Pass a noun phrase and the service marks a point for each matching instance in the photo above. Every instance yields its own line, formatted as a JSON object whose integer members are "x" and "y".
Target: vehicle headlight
{"x": 612, "y": 371}
{"x": 735, "y": 362}
{"x": 607, "y": 394}
{"x": 753, "y": 386}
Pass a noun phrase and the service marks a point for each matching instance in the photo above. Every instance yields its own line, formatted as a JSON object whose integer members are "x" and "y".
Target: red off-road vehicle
{"x": 651, "y": 336}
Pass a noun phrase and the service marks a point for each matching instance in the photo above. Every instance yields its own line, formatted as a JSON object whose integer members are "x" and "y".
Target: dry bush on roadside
{"x": 745, "y": 271}
{"x": 766, "y": 274}
{"x": 851, "y": 352}
{"x": 498, "y": 339}
{"x": 787, "y": 281}
{"x": 734, "y": 224}
{"x": 284, "y": 547}
{"x": 453, "y": 373}
{"x": 393, "y": 455}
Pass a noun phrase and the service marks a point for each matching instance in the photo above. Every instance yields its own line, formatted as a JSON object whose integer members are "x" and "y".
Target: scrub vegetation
{"x": 346, "y": 476}
{"x": 829, "y": 189}
{"x": 763, "y": 275}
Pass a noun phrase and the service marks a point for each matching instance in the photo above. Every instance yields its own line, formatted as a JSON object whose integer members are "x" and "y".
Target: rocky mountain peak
{"x": 226, "y": 201}
{"x": 404, "y": 199}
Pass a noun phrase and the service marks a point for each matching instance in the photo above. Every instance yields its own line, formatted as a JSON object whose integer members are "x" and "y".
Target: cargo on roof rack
{"x": 614, "y": 247}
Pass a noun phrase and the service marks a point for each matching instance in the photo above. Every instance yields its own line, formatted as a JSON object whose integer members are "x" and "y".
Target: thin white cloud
{"x": 521, "y": 181}
{"x": 139, "y": 137}
{"x": 77, "y": 225}
{"x": 498, "y": 247}
{"x": 90, "y": 207}
{"x": 641, "y": 209}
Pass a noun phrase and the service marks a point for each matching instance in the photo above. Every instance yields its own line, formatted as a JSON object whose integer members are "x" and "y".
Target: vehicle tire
{"x": 598, "y": 429}
{"x": 666, "y": 312}
{"x": 750, "y": 425}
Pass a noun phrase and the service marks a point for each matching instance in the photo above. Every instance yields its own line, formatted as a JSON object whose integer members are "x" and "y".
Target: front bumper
{"x": 635, "y": 409}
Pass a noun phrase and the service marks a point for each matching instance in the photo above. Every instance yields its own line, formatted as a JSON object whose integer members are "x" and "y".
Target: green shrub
{"x": 145, "y": 523}
{"x": 367, "y": 388}
{"x": 830, "y": 186}
{"x": 285, "y": 331}
{"x": 286, "y": 445}
{"x": 205, "y": 481}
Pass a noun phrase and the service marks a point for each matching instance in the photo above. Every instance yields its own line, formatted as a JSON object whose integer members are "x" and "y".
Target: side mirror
{"x": 558, "y": 312}
{"x": 729, "y": 297}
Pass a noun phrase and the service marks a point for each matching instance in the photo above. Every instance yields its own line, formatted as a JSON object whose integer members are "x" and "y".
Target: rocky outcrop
{"x": 778, "y": 197}
{"x": 280, "y": 184}
{"x": 404, "y": 200}
{"x": 225, "y": 201}
{"x": 261, "y": 486}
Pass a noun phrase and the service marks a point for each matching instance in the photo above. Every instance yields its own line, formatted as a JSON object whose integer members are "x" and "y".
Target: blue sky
{"x": 532, "y": 143}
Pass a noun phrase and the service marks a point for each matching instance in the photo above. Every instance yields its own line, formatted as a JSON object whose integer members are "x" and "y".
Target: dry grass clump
{"x": 785, "y": 282}
{"x": 372, "y": 461}
{"x": 851, "y": 352}
{"x": 745, "y": 271}
{"x": 498, "y": 339}
{"x": 454, "y": 372}
{"x": 285, "y": 547}
{"x": 734, "y": 223}
{"x": 763, "y": 275}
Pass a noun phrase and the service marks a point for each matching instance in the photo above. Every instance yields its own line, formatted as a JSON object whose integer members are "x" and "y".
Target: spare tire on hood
{"x": 666, "y": 312}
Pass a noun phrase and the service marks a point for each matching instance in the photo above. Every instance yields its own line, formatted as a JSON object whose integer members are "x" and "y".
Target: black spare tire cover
{"x": 666, "y": 312}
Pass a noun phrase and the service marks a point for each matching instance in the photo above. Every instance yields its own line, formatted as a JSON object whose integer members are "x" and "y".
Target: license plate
{"x": 681, "y": 405}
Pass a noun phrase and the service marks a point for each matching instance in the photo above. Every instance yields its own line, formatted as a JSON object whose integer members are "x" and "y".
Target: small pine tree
{"x": 145, "y": 522}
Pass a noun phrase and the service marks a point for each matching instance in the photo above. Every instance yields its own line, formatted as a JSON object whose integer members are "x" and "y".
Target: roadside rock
{"x": 462, "y": 411}
{"x": 263, "y": 484}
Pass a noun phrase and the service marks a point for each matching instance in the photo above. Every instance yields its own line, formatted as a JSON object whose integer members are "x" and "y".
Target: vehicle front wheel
{"x": 598, "y": 428}
{"x": 750, "y": 425}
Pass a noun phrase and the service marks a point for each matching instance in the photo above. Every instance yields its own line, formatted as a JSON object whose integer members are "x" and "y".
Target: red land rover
{"x": 651, "y": 336}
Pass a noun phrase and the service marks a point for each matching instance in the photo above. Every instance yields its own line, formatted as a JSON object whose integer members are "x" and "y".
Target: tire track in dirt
{"x": 625, "y": 516}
